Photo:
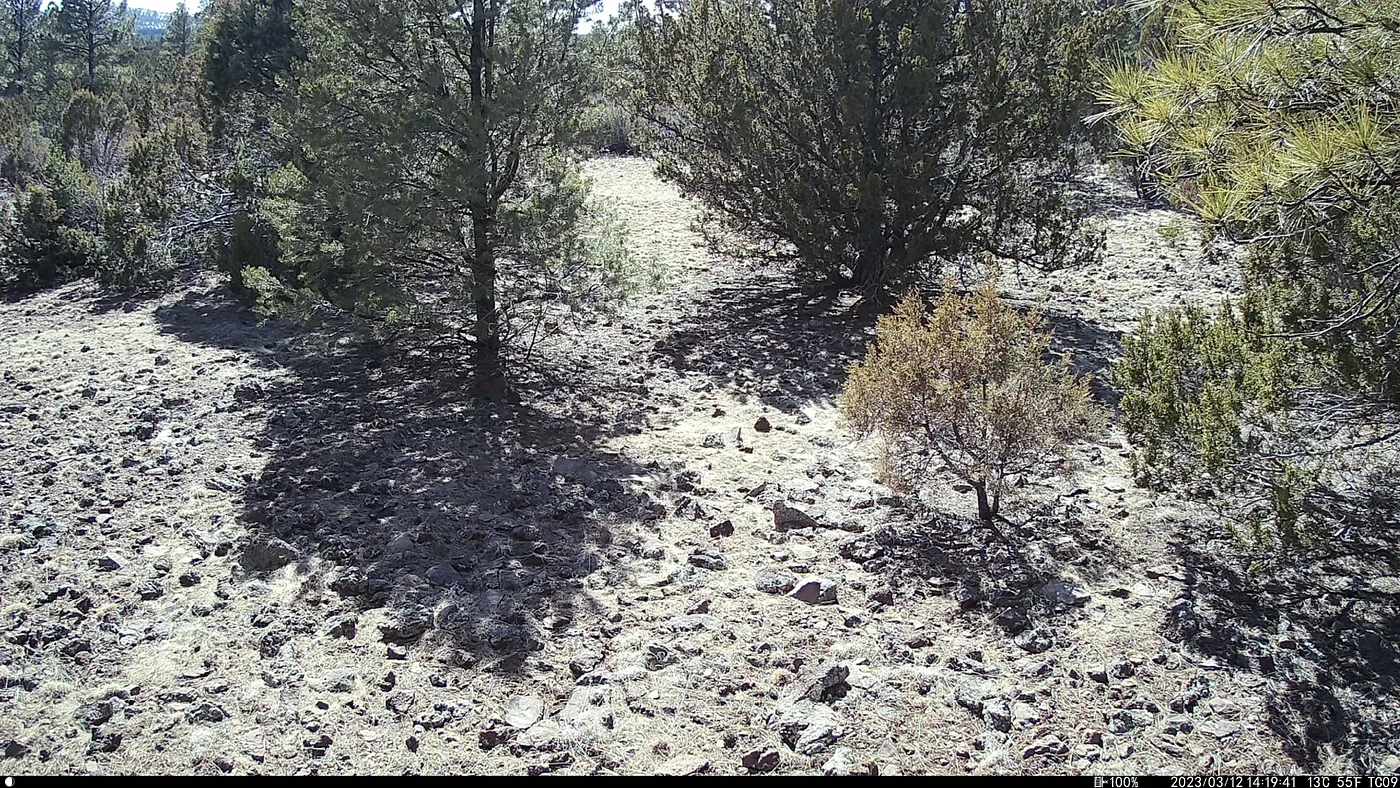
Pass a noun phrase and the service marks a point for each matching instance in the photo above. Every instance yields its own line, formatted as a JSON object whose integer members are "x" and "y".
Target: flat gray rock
{"x": 809, "y": 728}
{"x": 339, "y": 680}
{"x": 522, "y": 711}
{"x": 443, "y": 575}
{"x": 400, "y": 544}
{"x": 1035, "y": 641}
{"x": 774, "y": 580}
{"x": 683, "y": 766}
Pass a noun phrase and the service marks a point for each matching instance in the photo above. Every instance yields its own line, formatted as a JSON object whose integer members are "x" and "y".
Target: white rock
{"x": 522, "y": 711}
{"x": 841, "y": 764}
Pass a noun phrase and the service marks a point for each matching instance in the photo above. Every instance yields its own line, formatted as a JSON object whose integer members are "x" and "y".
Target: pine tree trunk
{"x": 92, "y": 57}
{"x": 872, "y": 273}
{"x": 986, "y": 508}
{"x": 491, "y": 382}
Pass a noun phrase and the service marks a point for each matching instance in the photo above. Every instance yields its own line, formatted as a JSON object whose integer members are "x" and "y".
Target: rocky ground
{"x": 232, "y": 548}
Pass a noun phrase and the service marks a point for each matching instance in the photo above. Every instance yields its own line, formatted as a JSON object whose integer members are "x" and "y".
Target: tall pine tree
{"x": 88, "y": 32}
{"x": 251, "y": 45}
{"x": 21, "y": 22}
{"x": 179, "y": 31}
{"x": 247, "y": 59}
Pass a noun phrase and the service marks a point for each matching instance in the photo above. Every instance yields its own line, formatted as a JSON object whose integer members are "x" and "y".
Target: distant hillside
{"x": 149, "y": 24}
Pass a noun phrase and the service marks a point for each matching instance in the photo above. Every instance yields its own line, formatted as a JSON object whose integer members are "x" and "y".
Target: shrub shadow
{"x": 94, "y": 297}
{"x": 789, "y": 346}
{"x": 1014, "y": 572}
{"x": 1117, "y": 189}
{"x": 1091, "y": 348}
{"x": 1318, "y": 630}
{"x": 792, "y": 346}
{"x": 473, "y": 527}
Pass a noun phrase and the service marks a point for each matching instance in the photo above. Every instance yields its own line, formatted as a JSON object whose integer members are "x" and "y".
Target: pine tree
{"x": 21, "y": 18}
{"x": 88, "y": 32}
{"x": 179, "y": 31}
{"x": 431, "y": 181}
{"x": 869, "y": 142}
{"x": 247, "y": 57}
{"x": 1275, "y": 124}
{"x": 252, "y": 43}
{"x": 52, "y": 236}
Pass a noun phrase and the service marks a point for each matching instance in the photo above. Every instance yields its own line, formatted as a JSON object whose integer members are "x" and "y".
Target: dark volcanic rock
{"x": 95, "y": 713}
{"x": 1182, "y": 622}
{"x": 722, "y": 529}
{"x": 343, "y": 626}
{"x": 774, "y": 580}
{"x": 248, "y": 392}
{"x": 817, "y": 591}
{"x": 823, "y": 683}
{"x": 861, "y": 550}
{"x": 761, "y": 761}
{"x": 266, "y": 554}
{"x": 1035, "y": 641}
{"x": 708, "y": 559}
{"x": 405, "y": 628}
{"x": 105, "y": 741}
{"x": 786, "y": 518}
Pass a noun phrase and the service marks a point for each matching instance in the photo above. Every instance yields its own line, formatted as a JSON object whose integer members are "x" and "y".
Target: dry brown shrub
{"x": 967, "y": 388}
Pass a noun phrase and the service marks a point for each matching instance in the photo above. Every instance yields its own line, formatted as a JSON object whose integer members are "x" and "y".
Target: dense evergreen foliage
{"x": 102, "y": 148}
{"x": 1275, "y": 125}
{"x": 89, "y": 33}
{"x": 871, "y": 143}
{"x": 438, "y": 178}
{"x": 21, "y": 26}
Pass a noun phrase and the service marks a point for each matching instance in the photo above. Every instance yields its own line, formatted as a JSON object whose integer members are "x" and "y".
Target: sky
{"x": 165, "y": 6}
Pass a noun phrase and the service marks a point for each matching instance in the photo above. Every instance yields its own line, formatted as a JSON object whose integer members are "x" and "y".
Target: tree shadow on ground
{"x": 787, "y": 345}
{"x": 792, "y": 346}
{"x": 1117, "y": 203}
{"x": 1091, "y": 348}
{"x": 1116, "y": 191}
{"x": 84, "y": 292}
{"x": 1015, "y": 572}
{"x": 92, "y": 296}
{"x": 1319, "y": 630}
{"x": 473, "y": 527}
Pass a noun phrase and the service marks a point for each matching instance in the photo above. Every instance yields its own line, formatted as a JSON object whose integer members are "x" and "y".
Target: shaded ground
{"x": 766, "y": 337}
{"x": 466, "y": 521}
{"x": 1321, "y": 632}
